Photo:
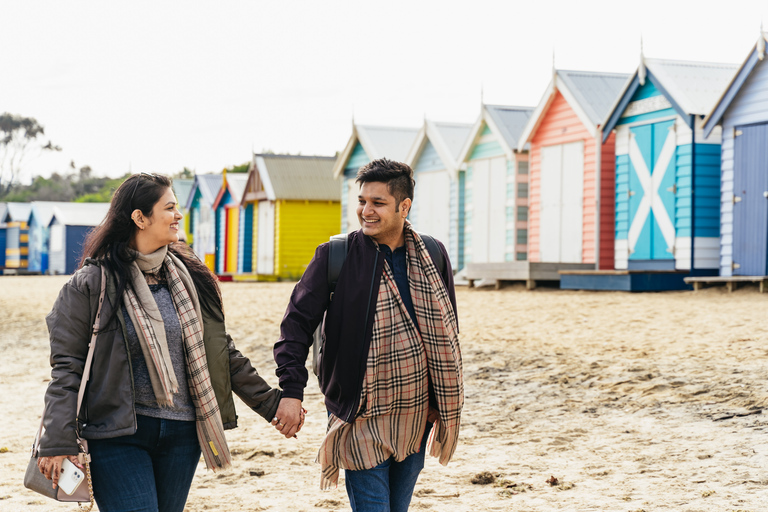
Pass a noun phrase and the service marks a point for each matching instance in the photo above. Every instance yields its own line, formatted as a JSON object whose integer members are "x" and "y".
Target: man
{"x": 390, "y": 366}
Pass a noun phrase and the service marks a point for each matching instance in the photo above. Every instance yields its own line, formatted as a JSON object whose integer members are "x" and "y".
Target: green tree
{"x": 20, "y": 137}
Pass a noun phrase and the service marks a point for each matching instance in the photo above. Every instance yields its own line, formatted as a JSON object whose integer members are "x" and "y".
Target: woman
{"x": 164, "y": 368}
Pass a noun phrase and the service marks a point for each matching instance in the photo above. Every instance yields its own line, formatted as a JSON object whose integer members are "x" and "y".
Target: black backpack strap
{"x": 337, "y": 253}
{"x": 434, "y": 252}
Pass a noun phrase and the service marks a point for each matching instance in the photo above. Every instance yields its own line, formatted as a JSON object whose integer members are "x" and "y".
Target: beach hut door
{"x": 562, "y": 203}
{"x": 266, "y": 235}
{"x": 750, "y": 201}
{"x": 652, "y": 191}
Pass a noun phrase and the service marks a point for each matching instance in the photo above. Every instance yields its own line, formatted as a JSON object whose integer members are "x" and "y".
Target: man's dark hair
{"x": 397, "y": 175}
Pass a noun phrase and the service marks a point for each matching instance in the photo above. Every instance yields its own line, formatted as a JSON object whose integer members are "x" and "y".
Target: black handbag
{"x": 33, "y": 478}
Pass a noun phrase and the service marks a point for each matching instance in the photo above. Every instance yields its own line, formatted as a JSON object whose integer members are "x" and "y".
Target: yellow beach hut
{"x": 291, "y": 204}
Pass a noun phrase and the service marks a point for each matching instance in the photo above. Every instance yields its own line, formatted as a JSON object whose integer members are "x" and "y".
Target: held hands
{"x": 433, "y": 415}
{"x": 50, "y": 467}
{"x": 289, "y": 417}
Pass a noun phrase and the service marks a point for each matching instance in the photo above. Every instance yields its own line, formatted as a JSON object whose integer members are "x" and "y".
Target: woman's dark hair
{"x": 109, "y": 241}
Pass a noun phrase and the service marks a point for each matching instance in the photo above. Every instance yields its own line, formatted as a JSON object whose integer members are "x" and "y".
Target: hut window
{"x": 522, "y": 213}
{"x": 522, "y": 236}
{"x": 510, "y": 214}
{"x": 522, "y": 167}
{"x": 522, "y": 190}
{"x": 522, "y": 256}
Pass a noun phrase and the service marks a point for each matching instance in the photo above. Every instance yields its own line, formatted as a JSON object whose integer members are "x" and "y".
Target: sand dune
{"x": 632, "y": 402}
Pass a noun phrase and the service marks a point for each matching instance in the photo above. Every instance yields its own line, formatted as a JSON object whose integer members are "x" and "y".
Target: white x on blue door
{"x": 651, "y": 232}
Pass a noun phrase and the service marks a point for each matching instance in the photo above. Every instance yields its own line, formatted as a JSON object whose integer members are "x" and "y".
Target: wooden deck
{"x": 731, "y": 282}
{"x": 525, "y": 271}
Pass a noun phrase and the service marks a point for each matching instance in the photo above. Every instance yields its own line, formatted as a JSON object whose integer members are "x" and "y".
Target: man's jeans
{"x": 149, "y": 471}
{"x": 389, "y": 486}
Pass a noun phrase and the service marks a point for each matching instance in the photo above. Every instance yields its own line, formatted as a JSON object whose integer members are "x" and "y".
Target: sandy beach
{"x": 633, "y": 403}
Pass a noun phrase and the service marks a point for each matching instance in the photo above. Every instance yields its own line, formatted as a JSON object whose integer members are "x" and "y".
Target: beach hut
{"x": 667, "y": 170}
{"x": 493, "y": 194}
{"x": 3, "y": 229}
{"x": 17, "y": 236}
{"x": 70, "y": 224}
{"x": 570, "y": 203}
{"x": 434, "y": 159}
{"x": 226, "y": 209}
{"x": 367, "y": 143}
{"x": 741, "y": 115}
{"x": 290, "y": 206}
{"x": 181, "y": 189}
{"x": 39, "y": 234}
{"x": 203, "y": 194}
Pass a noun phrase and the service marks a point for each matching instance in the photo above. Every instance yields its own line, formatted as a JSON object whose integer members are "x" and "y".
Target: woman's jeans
{"x": 149, "y": 471}
{"x": 389, "y": 486}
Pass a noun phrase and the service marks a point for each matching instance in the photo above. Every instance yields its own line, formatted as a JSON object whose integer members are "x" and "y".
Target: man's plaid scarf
{"x": 210, "y": 429}
{"x": 394, "y": 400}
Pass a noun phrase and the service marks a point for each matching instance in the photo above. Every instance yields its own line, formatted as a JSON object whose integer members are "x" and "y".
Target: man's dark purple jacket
{"x": 347, "y": 329}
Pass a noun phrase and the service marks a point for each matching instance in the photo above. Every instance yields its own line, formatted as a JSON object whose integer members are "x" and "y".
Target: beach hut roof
{"x": 378, "y": 142}
{"x": 235, "y": 185}
{"x": 589, "y": 93}
{"x": 506, "y": 122}
{"x": 208, "y": 185}
{"x": 755, "y": 56}
{"x": 79, "y": 214}
{"x": 43, "y": 211}
{"x": 692, "y": 88}
{"x": 447, "y": 138}
{"x": 17, "y": 212}
{"x": 182, "y": 188}
{"x": 3, "y": 211}
{"x": 296, "y": 177}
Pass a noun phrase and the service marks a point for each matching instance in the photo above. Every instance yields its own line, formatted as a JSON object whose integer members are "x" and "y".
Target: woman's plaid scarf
{"x": 394, "y": 401}
{"x": 151, "y": 332}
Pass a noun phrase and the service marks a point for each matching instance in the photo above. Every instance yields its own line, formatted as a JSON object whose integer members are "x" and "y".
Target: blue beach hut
{"x": 201, "y": 216}
{"x": 3, "y": 229}
{"x": 667, "y": 170}
{"x": 70, "y": 224}
{"x": 39, "y": 233}
{"x": 741, "y": 114}
{"x": 367, "y": 143}
{"x": 434, "y": 158}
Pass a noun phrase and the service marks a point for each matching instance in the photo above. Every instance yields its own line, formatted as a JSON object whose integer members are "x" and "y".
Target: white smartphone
{"x": 70, "y": 477}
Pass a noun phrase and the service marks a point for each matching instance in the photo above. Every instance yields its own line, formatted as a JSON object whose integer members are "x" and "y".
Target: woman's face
{"x": 162, "y": 227}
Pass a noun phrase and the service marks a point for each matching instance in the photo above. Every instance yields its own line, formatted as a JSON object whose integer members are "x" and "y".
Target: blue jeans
{"x": 149, "y": 471}
{"x": 389, "y": 486}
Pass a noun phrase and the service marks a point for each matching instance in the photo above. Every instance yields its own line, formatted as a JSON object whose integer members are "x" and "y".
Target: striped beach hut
{"x": 367, "y": 143}
{"x": 70, "y": 224}
{"x": 667, "y": 170}
{"x": 3, "y": 229}
{"x": 493, "y": 193}
{"x": 741, "y": 115}
{"x": 205, "y": 188}
{"x": 434, "y": 158}
{"x": 181, "y": 189}
{"x": 571, "y": 179}
{"x": 290, "y": 206}
{"x": 226, "y": 209}
{"x": 17, "y": 236}
{"x": 39, "y": 234}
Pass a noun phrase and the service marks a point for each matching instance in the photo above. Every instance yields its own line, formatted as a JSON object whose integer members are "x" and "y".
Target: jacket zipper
{"x": 365, "y": 329}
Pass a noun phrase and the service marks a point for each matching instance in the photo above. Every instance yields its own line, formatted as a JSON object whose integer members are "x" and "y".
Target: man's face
{"x": 376, "y": 213}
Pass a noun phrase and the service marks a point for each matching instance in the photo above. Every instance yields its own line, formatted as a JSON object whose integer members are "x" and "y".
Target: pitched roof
{"x": 590, "y": 94}
{"x": 447, "y": 138}
{"x": 17, "y": 212}
{"x": 729, "y": 93}
{"x": 510, "y": 121}
{"x": 296, "y": 177}
{"x": 378, "y": 142}
{"x": 235, "y": 186}
{"x": 208, "y": 185}
{"x": 43, "y": 211}
{"x": 692, "y": 88}
{"x": 3, "y": 210}
{"x": 182, "y": 188}
{"x": 80, "y": 214}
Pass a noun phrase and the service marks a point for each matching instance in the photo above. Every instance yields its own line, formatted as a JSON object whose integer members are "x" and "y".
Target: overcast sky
{"x": 158, "y": 86}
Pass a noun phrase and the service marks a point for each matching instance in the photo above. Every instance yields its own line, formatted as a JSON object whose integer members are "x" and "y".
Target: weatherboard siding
{"x": 300, "y": 226}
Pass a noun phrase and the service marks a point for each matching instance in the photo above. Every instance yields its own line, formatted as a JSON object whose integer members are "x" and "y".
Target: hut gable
{"x": 295, "y": 177}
